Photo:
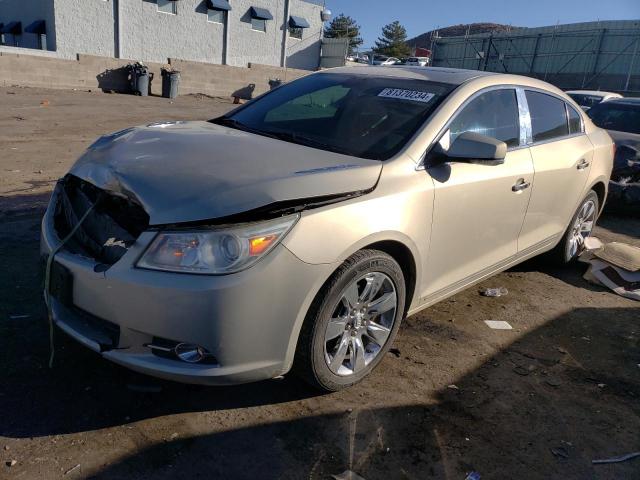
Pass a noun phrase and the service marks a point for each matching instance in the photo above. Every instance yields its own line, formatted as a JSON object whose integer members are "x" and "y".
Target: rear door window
{"x": 548, "y": 116}
{"x": 493, "y": 114}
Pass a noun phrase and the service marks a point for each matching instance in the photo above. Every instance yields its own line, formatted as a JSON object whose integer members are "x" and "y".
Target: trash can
{"x": 274, "y": 83}
{"x": 140, "y": 79}
{"x": 170, "y": 82}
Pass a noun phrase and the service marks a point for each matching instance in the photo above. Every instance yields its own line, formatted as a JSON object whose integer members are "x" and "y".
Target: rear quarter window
{"x": 575, "y": 122}
{"x": 548, "y": 116}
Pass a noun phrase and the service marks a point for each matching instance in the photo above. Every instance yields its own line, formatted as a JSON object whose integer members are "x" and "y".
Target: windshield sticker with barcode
{"x": 402, "y": 94}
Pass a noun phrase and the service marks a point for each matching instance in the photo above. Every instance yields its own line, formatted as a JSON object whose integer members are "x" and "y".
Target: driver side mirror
{"x": 471, "y": 147}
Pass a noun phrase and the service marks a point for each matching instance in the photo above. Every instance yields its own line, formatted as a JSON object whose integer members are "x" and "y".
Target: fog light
{"x": 187, "y": 352}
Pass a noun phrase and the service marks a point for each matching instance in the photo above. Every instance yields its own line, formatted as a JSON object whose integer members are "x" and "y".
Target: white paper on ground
{"x": 498, "y": 324}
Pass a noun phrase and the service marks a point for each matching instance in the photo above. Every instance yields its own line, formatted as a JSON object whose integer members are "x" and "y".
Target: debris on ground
{"x": 523, "y": 371}
{"x": 44, "y": 103}
{"x": 494, "y": 292}
{"x": 395, "y": 352}
{"x": 18, "y": 317}
{"x": 553, "y": 382}
{"x": 498, "y": 325}
{"x": 613, "y": 265}
{"x": 453, "y": 387}
{"x": 560, "y": 452}
{"x": 11, "y": 463}
{"x": 621, "y": 458}
{"x": 347, "y": 475}
{"x": 72, "y": 469}
{"x": 473, "y": 476}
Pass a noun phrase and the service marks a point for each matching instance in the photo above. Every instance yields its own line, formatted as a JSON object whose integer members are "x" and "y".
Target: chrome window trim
{"x": 567, "y": 107}
{"x": 526, "y": 134}
{"x": 421, "y": 165}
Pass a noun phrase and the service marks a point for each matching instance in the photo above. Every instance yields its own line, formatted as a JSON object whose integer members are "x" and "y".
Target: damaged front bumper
{"x": 247, "y": 321}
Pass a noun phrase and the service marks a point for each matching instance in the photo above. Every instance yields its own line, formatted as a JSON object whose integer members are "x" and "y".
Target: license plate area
{"x": 61, "y": 284}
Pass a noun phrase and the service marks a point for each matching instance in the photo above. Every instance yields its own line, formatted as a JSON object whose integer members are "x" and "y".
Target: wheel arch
{"x": 401, "y": 249}
{"x": 601, "y": 190}
{"x": 403, "y": 255}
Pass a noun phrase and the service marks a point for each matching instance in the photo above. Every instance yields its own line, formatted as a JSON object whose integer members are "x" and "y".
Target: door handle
{"x": 582, "y": 164}
{"x": 520, "y": 185}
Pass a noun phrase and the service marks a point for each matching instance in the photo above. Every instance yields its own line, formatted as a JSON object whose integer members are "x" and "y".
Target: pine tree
{"x": 344, "y": 26}
{"x": 393, "y": 41}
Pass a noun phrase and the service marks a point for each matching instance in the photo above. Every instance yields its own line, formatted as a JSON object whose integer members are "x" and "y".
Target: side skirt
{"x": 519, "y": 257}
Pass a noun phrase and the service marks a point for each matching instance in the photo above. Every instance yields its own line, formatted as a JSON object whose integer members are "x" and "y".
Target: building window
{"x": 258, "y": 24}
{"x": 167, "y": 6}
{"x": 215, "y": 16}
{"x": 295, "y": 32}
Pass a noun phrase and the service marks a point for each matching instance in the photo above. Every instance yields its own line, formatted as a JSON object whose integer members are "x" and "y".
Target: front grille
{"x": 104, "y": 329}
{"x": 106, "y": 334}
{"x": 108, "y": 231}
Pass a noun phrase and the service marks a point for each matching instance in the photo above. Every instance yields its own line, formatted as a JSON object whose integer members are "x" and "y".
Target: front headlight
{"x": 215, "y": 251}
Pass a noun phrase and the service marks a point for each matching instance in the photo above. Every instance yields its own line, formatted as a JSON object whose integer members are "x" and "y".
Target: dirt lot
{"x": 536, "y": 402}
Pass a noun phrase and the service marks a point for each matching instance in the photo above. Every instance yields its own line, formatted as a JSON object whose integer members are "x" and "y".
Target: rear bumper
{"x": 249, "y": 321}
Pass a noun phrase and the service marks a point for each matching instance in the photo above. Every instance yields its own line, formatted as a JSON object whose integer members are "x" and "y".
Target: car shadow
{"x": 525, "y": 412}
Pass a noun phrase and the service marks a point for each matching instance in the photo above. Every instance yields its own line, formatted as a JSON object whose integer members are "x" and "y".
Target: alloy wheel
{"x": 360, "y": 324}
{"x": 581, "y": 229}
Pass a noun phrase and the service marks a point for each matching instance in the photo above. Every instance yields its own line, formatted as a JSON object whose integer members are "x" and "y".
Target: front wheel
{"x": 352, "y": 322}
{"x": 581, "y": 226}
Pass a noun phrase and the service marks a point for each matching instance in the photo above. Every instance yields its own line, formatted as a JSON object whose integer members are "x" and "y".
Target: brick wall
{"x": 91, "y": 72}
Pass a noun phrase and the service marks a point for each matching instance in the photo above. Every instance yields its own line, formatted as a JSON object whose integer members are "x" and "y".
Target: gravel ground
{"x": 537, "y": 402}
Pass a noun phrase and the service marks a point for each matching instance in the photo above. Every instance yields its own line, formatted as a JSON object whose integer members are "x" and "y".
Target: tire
{"x": 318, "y": 359}
{"x": 563, "y": 253}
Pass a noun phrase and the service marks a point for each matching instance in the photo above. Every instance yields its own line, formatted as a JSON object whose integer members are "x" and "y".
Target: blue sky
{"x": 419, "y": 16}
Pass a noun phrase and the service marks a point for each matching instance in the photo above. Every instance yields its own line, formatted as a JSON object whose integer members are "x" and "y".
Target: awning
{"x": 38, "y": 27}
{"x": 261, "y": 13}
{"x": 298, "y": 22}
{"x": 14, "y": 28}
{"x": 218, "y": 5}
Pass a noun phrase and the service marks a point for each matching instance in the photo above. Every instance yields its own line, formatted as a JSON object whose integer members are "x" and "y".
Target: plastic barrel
{"x": 141, "y": 83}
{"x": 170, "y": 82}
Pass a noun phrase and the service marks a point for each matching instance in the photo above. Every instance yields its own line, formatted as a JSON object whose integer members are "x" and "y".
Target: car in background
{"x": 384, "y": 60}
{"x": 362, "y": 58}
{"x": 417, "y": 61}
{"x": 588, "y": 98}
{"x": 621, "y": 118}
{"x": 300, "y": 229}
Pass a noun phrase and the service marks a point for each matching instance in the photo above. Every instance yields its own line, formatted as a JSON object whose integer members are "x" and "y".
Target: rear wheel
{"x": 581, "y": 226}
{"x": 352, "y": 322}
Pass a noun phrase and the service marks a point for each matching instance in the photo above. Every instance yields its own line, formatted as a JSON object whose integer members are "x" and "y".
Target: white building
{"x": 228, "y": 32}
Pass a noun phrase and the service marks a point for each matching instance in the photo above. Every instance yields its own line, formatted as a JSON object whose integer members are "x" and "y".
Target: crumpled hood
{"x": 195, "y": 171}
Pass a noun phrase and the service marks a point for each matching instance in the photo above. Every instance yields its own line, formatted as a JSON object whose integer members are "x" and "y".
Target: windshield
{"x": 358, "y": 115}
{"x": 616, "y": 116}
{"x": 585, "y": 100}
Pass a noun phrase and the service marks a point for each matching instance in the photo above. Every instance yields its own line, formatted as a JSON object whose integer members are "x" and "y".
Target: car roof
{"x": 599, "y": 93}
{"x": 454, "y": 76}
